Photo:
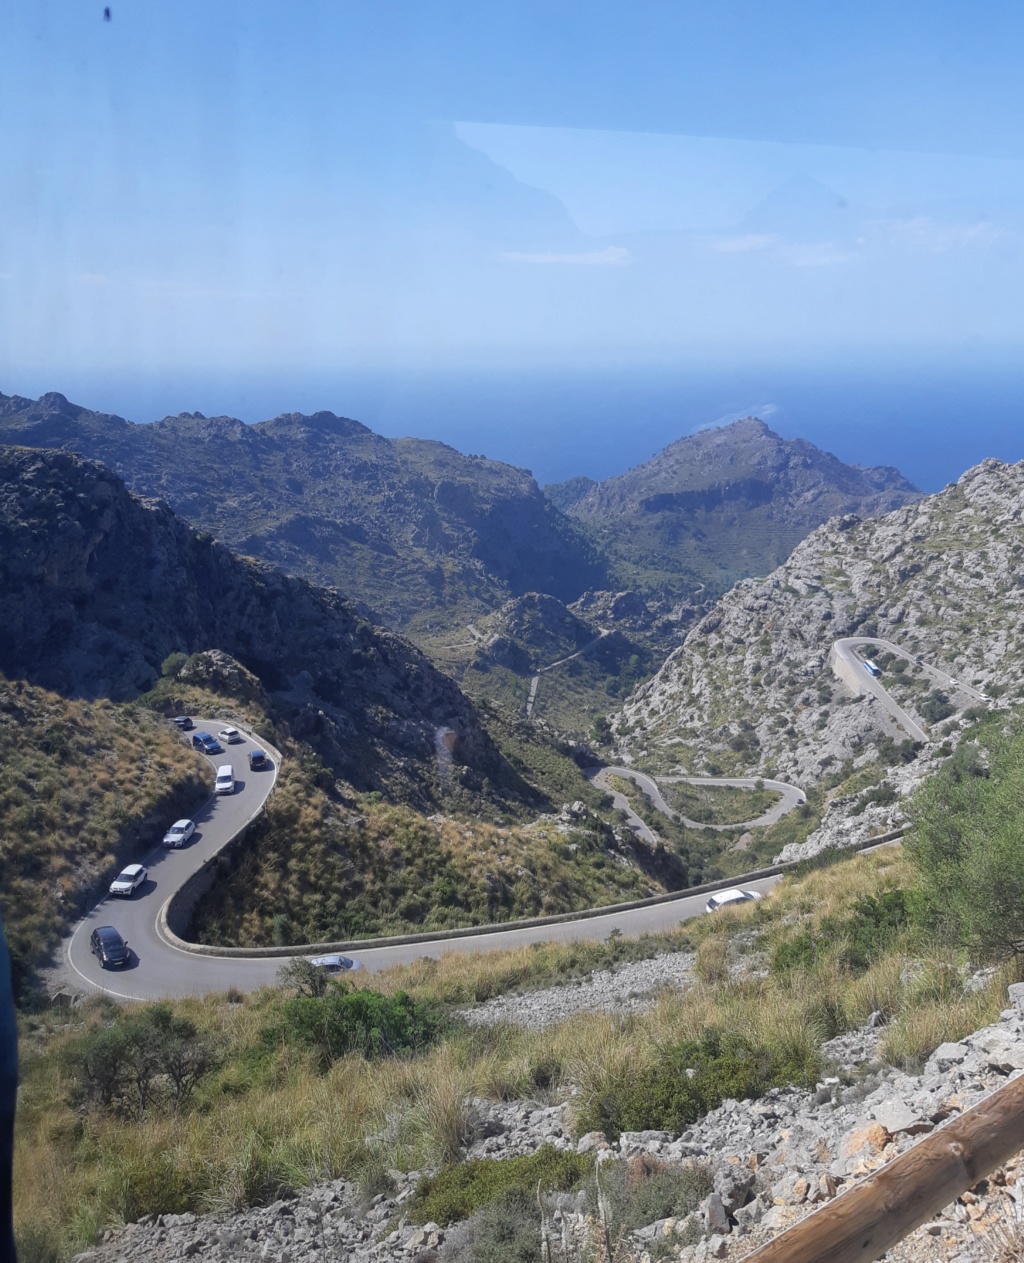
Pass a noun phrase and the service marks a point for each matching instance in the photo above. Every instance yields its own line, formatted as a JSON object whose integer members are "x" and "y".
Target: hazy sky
{"x": 244, "y": 187}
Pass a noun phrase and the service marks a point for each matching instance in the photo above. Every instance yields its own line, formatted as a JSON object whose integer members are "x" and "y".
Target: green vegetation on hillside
{"x": 718, "y": 804}
{"x": 85, "y": 787}
{"x": 316, "y": 869}
{"x": 267, "y": 1113}
{"x": 968, "y": 843}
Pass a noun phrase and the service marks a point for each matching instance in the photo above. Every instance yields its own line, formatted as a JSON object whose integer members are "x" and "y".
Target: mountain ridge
{"x": 101, "y": 586}
{"x": 657, "y": 522}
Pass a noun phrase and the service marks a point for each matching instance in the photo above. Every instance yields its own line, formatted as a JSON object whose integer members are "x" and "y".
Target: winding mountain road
{"x": 535, "y": 680}
{"x": 790, "y": 797}
{"x": 851, "y": 670}
{"x": 156, "y": 968}
{"x": 163, "y": 965}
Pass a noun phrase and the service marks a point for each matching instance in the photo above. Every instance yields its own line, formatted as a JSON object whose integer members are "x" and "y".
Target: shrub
{"x": 691, "y": 1079}
{"x": 507, "y": 1230}
{"x": 644, "y": 1189}
{"x": 968, "y": 846}
{"x": 365, "y": 1022}
{"x": 459, "y": 1190}
{"x": 857, "y": 940}
{"x": 140, "y": 1056}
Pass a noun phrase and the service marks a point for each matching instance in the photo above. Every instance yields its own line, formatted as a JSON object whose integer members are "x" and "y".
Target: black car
{"x": 182, "y": 723}
{"x": 258, "y": 760}
{"x": 108, "y": 946}
{"x": 209, "y": 745}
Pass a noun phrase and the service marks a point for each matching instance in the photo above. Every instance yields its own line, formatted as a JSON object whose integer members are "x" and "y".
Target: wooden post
{"x": 862, "y": 1224}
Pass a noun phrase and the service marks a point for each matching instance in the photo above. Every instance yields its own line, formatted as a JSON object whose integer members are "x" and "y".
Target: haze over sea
{"x": 929, "y": 418}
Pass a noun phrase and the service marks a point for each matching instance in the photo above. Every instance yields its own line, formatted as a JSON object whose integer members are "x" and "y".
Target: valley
{"x": 558, "y": 803}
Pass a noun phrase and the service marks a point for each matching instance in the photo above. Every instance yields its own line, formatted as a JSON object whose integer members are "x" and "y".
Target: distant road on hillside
{"x": 851, "y": 670}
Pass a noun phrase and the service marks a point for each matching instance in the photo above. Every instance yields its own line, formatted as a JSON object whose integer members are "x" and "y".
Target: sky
{"x": 247, "y": 207}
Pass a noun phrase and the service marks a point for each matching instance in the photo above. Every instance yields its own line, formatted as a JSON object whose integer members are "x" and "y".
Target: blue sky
{"x": 202, "y": 193}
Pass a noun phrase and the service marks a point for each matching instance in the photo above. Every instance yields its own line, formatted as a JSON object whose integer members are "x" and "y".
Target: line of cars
{"x": 105, "y": 942}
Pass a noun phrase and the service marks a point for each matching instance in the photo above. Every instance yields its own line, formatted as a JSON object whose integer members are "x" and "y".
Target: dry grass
{"x": 84, "y": 786}
{"x": 268, "y": 1119}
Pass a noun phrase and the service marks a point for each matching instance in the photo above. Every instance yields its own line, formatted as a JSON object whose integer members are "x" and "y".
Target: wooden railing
{"x": 863, "y": 1223}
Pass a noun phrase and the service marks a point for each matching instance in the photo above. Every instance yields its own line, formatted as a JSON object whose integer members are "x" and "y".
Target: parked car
{"x": 229, "y": 736}
{"x": 108, "y": 946}
{"x": 128, "y": 880}
{"x": 725, "y": 898}
{"x": 207, "y": 743}
{"x": 335, "y": 964}
{"x": 225, "y": 779}
{"x": 258, "y": 760}
{"x": 182, "y": 723}
{"x": 179, "y": 833}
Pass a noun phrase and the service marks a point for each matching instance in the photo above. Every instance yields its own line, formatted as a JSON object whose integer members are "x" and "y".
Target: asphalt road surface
{"x": 157, "y": 969}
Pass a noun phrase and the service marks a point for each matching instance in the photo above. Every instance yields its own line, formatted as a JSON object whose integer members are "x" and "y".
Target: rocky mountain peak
{"x": 323, "y": 422}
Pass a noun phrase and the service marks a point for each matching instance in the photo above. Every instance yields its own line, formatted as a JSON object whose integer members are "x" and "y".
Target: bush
{"x": 365, "y": 1022}
{"x": 644, "y": 1189}
{"x": 692, "y": 1079}
{"x": 507, "y": 1230}
{"x": 936, "y": 707}
{"x": 968, "y": 845}
{"x": 857, "y": 940}
{"x": 139, "y": 1058}
{"x": 459, "y": 1190}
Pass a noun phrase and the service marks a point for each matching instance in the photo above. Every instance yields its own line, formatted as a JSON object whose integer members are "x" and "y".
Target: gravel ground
{"x": 627, "y": 989}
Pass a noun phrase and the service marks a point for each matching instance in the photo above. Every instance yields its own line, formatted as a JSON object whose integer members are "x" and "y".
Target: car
{"x": 258, "y": 760}
{"x": 179, "y": 833}
{"x": 335, "y": 964}
{"x": 727, "y": 898}
{"x": 207, "y": 743}
{"x": 128, "y": 880}
{"x": 108, "y": 946}
{"x": 872, "y": 668}
{"x": 225, "y": 783}
{"x": 182, "y": 723}
{"x": 229, "y": 736}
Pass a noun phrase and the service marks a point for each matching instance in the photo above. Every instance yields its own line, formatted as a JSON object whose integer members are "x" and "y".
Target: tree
{"x": 304, "y": 977}
{"x": 967, "y": 843}
{"x": 172, "y": 664}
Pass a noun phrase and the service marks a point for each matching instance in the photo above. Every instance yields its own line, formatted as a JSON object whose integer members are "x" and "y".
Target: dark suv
{"x": 108, "y": 946}
{"x": 182, "y": 723}
{"x": 209, "y": 745}
{"x": 258, "y": 760}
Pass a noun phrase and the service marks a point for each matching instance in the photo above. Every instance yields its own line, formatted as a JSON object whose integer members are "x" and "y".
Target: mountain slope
{"x": 752, "y": 688}
{"x": 720, "y": 505}
{"x": 99, "y": 587}
{"x": 414, "y": 529}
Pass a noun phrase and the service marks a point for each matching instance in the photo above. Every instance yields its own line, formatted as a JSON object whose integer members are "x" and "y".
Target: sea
{"x": 932, "y": 417}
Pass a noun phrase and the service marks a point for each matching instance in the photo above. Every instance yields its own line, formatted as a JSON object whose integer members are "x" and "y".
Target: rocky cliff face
{"x": 99, "y": 587}
{"x": 751, "y": 687}
{"x": 414, "y": 529}
{"x": 721, "y": 505}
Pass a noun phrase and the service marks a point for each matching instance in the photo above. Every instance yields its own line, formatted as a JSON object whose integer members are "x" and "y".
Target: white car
{"x": 229, "y": 736}
{"x": 729, "y": 898}
{"x": 128, "y": 880}
{"x": 179, "y": 833}
{"x": 225, "y": 783}
{"x": 335, "y": 964}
